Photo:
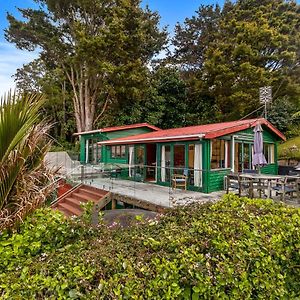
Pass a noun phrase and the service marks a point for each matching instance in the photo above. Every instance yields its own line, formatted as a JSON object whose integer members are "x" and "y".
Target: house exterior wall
{"x": 105, "y": 150}
{"x": 212, "y": 179}
{"x": 215, "y": 178}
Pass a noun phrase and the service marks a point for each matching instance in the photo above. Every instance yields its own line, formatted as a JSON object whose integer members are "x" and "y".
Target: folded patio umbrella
{"x": 258, "y": 159}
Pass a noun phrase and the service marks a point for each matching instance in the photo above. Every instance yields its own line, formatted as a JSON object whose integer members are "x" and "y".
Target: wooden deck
{"x": 151, "y": 193}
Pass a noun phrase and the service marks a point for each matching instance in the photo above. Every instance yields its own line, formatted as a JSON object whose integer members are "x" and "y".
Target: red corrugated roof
{"x": 208, "y": 131}
{"x": 122, "y": 127}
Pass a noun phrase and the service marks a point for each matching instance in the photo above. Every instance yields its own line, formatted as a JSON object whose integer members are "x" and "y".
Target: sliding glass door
{"x": 242, "y": 156}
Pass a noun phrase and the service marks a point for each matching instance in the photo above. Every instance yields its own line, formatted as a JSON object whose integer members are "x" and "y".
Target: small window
{"x": 269, "y": 152}
{"x": 118, "y": 151}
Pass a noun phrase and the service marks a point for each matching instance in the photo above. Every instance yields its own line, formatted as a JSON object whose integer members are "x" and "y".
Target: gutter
{"x": 200, "y": 136}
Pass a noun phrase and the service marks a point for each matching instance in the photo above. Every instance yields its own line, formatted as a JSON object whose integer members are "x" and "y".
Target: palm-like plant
{"x": 22, "y": 150}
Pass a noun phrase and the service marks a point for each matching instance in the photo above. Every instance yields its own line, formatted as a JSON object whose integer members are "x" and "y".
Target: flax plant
{"x": 23, "y": 145}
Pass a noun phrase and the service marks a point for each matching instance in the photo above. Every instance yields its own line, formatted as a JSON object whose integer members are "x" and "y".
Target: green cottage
{"x": 92, "y": 153}
{"x": 202, "y": 154}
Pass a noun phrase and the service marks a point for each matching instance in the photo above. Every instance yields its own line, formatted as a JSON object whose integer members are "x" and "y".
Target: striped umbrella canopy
{"x": 258, "y": 159}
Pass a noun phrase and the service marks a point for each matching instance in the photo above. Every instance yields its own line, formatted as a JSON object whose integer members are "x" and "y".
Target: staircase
{"x": 69, "y": 203}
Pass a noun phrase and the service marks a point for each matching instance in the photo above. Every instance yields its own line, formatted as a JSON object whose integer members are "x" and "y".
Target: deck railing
{"x": 130, "y": 180}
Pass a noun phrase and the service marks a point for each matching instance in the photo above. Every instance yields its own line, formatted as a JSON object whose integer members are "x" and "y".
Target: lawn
{"x": 290, "y": 149}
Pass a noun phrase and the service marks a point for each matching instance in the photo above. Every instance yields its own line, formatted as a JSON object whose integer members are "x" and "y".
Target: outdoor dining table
{"x": 260, "y": 179}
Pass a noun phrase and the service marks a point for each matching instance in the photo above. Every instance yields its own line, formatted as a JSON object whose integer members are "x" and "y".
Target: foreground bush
{"x": 24, "y": 177}
{"x": 234, "y": 249}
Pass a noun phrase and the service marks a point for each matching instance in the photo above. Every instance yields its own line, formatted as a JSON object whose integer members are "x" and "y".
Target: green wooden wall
{"x": 105, "y": 151}
{"x": 212, "y": 180}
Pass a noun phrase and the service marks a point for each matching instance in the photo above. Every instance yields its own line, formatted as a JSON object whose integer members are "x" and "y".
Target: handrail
{"x": 57, "y": 180}
{"x": 66, "y": 194}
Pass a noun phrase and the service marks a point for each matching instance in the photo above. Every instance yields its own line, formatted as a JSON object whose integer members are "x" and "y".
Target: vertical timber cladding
{"x": 214, "y": 180}
{"x": 106, "y": 152}
{"x": 270, "y": 138}
{"x": 103, "y": 136}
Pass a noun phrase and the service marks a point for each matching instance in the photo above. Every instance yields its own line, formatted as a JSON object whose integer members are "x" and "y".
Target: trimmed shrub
{"x": 237, "y": 248}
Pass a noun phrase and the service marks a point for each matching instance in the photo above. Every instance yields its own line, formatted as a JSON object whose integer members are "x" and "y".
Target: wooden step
{"x": 74, "y": 202}
{"x": 70, "y": 208}
{"x": 70, "y": 204}
{"x": 81, "y": 197}
{"x": 62, "y": 210}
{"x": 92, "y": 189}
{"x": 92, "y": 194}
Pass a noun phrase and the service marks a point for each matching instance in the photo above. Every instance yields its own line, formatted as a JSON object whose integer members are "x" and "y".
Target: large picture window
{"x": 118, "y": 151}
{"x": 219, "y": 154}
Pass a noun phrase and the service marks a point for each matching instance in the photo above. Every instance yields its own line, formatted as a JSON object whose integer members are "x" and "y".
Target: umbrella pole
{"x": 258, "y": 169}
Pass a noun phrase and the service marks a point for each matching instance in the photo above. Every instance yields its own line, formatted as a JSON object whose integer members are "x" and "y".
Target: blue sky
{"x": 171, "y": 12}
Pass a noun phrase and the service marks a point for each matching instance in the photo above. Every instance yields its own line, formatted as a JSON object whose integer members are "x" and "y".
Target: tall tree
{"x": 247, "y": 45}
{"x": 36, "y": 76}
{"x": 99, "y": 45}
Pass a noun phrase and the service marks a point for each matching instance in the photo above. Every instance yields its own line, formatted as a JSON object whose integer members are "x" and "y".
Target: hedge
{"x": 236, "y": 248}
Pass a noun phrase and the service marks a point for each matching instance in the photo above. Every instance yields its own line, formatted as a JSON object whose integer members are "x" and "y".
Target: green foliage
{"x": 236, "y": 248}
{"x": 23, "y": 148}
{"x": 231, "y": 52}
{"x": 290, "y": 149}
{"x": 101, "y": 48}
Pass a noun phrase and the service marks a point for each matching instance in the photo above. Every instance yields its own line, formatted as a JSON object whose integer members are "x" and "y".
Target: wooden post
{"x": 113, "y": 204}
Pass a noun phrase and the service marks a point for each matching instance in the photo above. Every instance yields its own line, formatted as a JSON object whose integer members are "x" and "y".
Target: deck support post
{"x": 113, "y": 204}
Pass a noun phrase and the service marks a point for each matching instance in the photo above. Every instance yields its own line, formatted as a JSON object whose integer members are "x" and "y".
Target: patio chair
{"x": 239, "y": 185}
{"x": 179, "y": 180}
{"x": 287, "y": 187}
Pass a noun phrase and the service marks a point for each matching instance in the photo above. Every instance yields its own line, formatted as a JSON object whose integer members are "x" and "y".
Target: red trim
{"x": 117, "y": 128}
{"x": 119, "y": 142}
{"x": 210, "y": 131}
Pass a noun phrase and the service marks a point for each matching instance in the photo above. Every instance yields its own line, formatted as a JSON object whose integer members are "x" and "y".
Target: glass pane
{"x": 113, "y": 151}
{"x": 140, "y": 160}
{"x": 168, "y": 162}
{"x": 266, "y": 152}
{"x": 238, "y": 159}
{"x": 218, "y": 154}
{"x": 140, "y": 155}
{"x": 179, "y": 159}
{"x": 191, "y": 163}
{"x": 247, "y": 156}
{"x": 123, "y": 151}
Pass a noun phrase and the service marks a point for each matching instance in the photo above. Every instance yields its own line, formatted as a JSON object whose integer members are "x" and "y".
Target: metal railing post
{"x": 81, "y": 173}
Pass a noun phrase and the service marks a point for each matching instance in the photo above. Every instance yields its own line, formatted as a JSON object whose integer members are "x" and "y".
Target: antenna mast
{"x": 265, "y": 97}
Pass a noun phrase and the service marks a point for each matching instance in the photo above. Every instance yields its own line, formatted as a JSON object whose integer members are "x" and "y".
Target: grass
{"x": 290, "y": 149}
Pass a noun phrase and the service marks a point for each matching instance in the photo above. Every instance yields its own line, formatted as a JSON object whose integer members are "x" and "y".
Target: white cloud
{"x": 10, "y": 60}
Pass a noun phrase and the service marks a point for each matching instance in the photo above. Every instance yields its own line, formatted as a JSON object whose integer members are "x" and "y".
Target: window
{"x": 269, "y": 152}
{"x": 219, "y": 154}
{"x": 140, "y": 155}
{"x": 118, "y": 151}
{"x": 179, "y": 159}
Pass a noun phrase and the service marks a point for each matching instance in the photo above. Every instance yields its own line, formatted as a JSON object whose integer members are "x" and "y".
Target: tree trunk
{"x": 86, "y": 89}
